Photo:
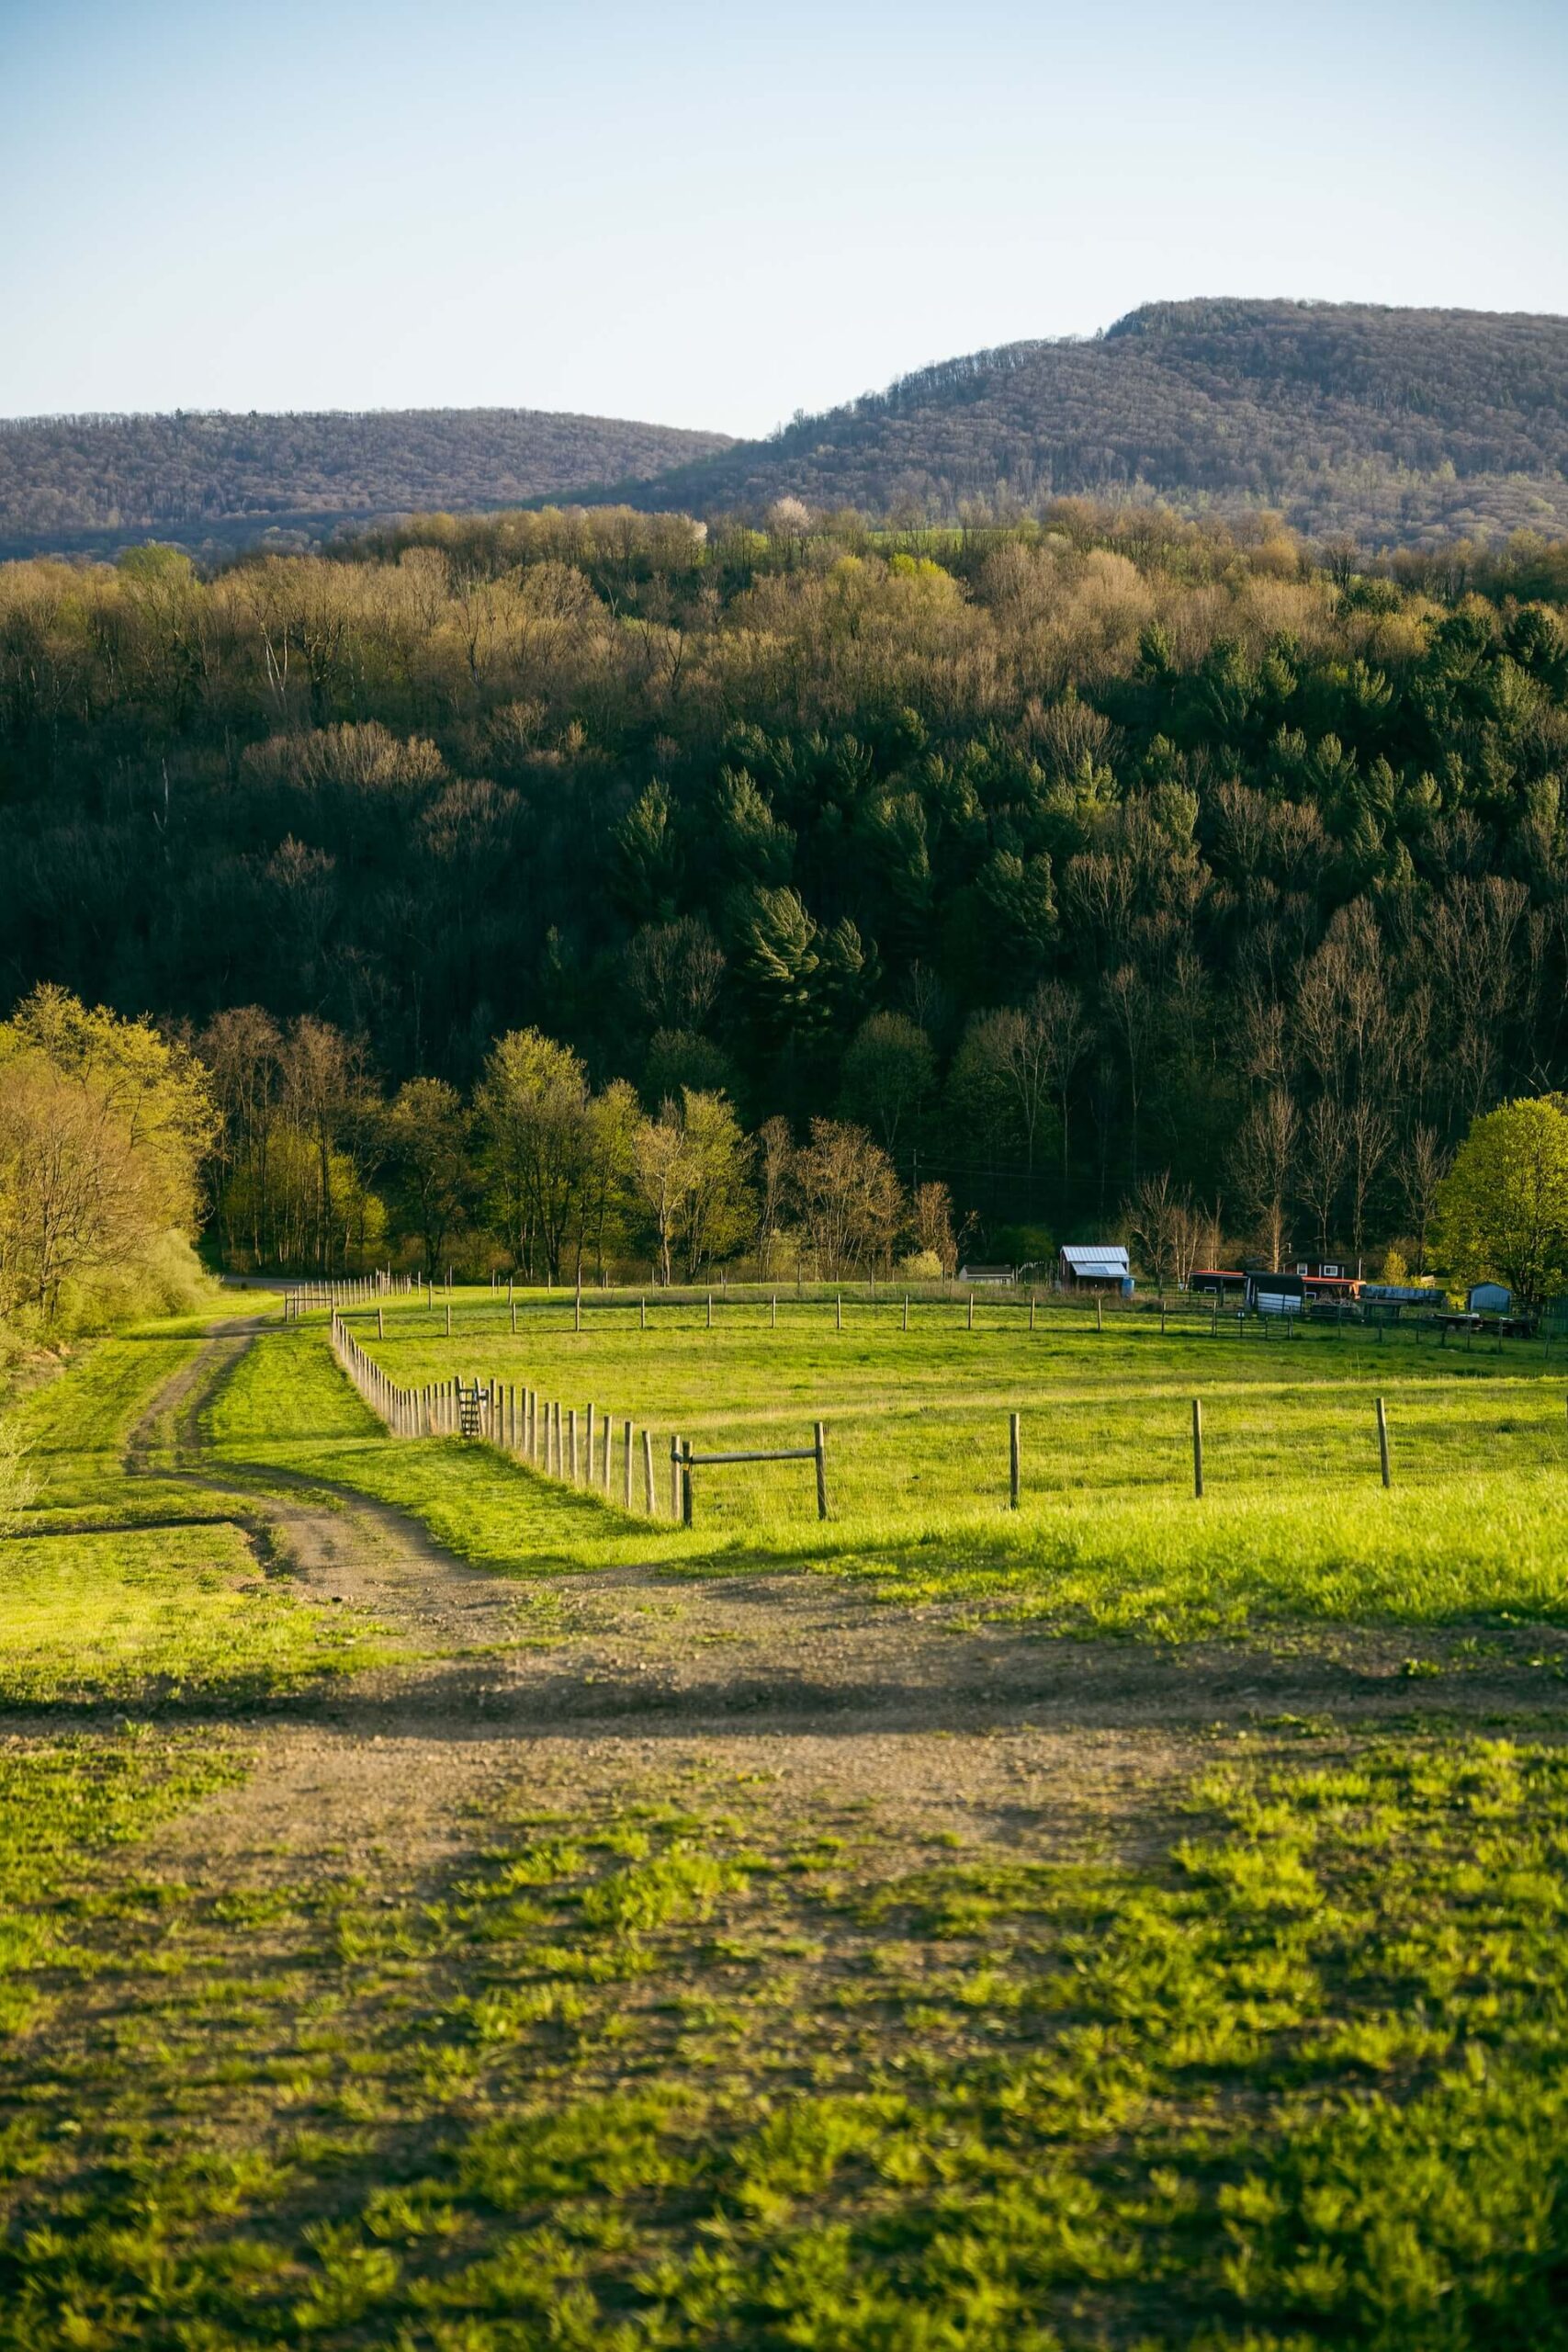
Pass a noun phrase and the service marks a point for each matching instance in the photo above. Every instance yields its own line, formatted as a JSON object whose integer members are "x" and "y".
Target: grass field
{"x": 120, "y": 1589}
{"x": 1295, "y": 1520}
{"x": 505, "y": 1998}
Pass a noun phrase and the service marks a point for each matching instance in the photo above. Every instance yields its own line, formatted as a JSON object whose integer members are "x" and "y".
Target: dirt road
{"x": 606, "y": 1679}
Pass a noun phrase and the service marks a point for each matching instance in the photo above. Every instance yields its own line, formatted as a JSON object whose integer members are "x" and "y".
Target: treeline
{"x": 1061, "y": 859}
{"x": 1390, "y": 427}
{"x": 104, "y": 1131}
{"x": 316, "y": 1167}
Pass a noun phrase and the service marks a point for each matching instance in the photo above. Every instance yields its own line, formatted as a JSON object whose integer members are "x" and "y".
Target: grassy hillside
{"x": 1393, "y": 425}
{"x": 95, "y": 482}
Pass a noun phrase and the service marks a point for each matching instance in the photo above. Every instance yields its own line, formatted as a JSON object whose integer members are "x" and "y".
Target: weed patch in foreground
{"x": 65, "y": 1806}
{"x": 728, "y": 2068}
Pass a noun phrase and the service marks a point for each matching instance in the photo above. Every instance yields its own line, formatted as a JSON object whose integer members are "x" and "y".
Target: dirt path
{"x": 340, "y": 1546}
{"x": 613, "y": 1677}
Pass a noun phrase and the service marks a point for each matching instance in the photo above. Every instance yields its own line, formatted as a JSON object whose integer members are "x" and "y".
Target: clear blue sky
{"x": 714, "y": 215}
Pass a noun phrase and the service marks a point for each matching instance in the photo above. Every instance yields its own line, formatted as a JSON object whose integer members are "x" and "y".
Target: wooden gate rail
{"x": 684, "y": 1462}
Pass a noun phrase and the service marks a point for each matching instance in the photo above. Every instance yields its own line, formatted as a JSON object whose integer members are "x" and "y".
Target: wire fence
{"x": 1315, "y": 1410}
{"x": 606, "y": 1454}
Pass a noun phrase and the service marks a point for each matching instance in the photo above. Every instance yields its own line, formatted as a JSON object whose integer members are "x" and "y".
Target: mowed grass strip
{"x": 1294, "y": 1521}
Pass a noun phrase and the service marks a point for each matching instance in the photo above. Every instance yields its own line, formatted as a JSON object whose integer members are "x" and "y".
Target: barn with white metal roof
{"x": 1096, "y": 1265}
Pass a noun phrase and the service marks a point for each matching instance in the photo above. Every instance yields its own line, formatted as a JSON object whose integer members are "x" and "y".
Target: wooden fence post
{"x": 1032, "y": 1310}
{"x": 642, "y": 1314}
{"x": 381, "y": 1323}
{"x": 819, "y": 1439}
{"x": 590, "y": 1449}
{"x": 773, "y": 1312}
{"x": 572, "y": 1434}
{"x": 674, "y": 1477}
{"x": 906, "y": 1310}
{"x": 1012, "y": 1459}
{"x": 686, "y": 1482}
{"x": 628, "y": 1443}
{"x": 710, "y": 1310}
{"x": 1099, "y": 1311}
{"x": 448, "y": 1318}
{"x": 650, "y": 1498}
{"x": 839, "y": 1312}
{"x": 1197, "y": 1449}
{"x": 609, "y": 1442}
{"x": 971, "y": 1310}
{"x": 1383, "y": 1445}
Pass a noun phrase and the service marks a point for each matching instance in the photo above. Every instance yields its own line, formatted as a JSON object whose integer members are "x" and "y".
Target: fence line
{"x": 516, "y": 1418}
{"x": 307, "y": 1298}
{"x": 1049, "y": 1313}
{"x": 529, "y": 1427}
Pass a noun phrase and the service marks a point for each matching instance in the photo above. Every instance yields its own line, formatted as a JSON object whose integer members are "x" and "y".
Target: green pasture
{"x": 1295, "y": 1520}
{"x": 714, "y": 2047}
{"x": 131, "y": 1589}
{"x": 726, "y": 2065}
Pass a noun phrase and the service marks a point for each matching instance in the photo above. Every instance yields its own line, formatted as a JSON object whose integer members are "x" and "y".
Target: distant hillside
{"x": 200, "y": 479}
{"x": 1389, "y": 425}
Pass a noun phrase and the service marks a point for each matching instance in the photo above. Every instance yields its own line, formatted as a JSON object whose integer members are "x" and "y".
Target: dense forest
{"x": 1101, "y": 861}
{"x": 1390, "y": 427}
{"x": 93, "y": 483}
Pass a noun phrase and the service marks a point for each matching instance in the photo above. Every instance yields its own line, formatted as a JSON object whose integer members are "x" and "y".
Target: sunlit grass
{"x": 96, "y": 1609}
{"x": 1294, "y": 1519}
{"x": 145, "y": 1616}
{"x": 733, "y": 2063}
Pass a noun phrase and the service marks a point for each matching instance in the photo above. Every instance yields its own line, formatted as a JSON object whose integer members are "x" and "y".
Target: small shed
{"x": 1094, "y": 1265}
{"x": 985, "y": 1274}
{"x": 1488, "y": 1299}
{"x": 1276, "y": 1293}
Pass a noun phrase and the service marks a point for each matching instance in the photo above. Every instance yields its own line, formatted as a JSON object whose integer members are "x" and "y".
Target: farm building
{"x": 1218, "y": 1281}
{"x": 987, "y": 1274}
{"x": 1273, "y": 1293}
{"x": 1094, "y": 1265}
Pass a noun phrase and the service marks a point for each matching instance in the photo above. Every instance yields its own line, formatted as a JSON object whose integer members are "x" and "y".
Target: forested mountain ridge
{"x": 210, "y": 478}
{"x": 1388, "y": 427}
{"x": 1392, "y": 426}
{"x": 1105, "y": 849}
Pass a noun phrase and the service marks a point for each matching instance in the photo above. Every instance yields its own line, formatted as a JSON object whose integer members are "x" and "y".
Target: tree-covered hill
{"x": 1105, "y": 851}
{"x": 1392, "y": 425}
{"x": 93, "y": 483}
